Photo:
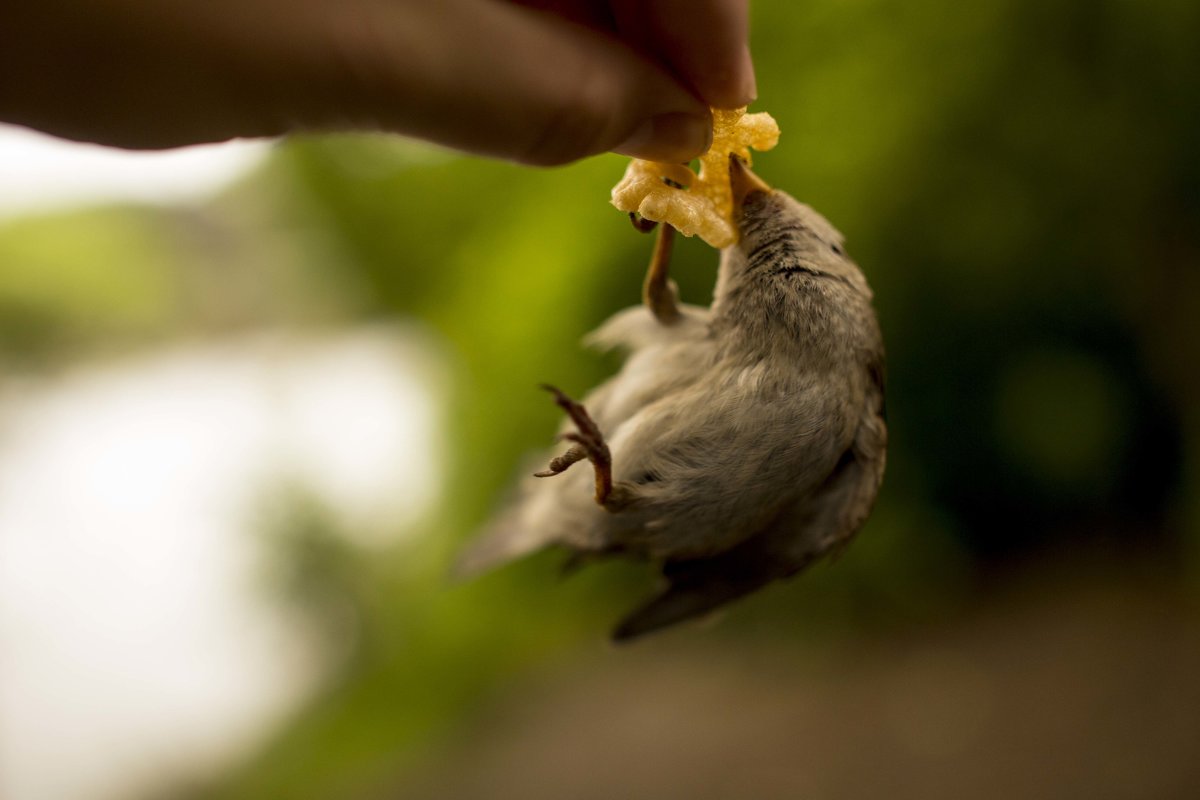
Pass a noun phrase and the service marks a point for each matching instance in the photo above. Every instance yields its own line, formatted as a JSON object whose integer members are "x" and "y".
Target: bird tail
{"x": 678, "y": 603}
{"x": 696, "y": 587}
{"x": 504, "y": 540}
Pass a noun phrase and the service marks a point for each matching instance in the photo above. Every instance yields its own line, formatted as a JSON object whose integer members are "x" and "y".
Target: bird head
{"x": 779, "y": 236}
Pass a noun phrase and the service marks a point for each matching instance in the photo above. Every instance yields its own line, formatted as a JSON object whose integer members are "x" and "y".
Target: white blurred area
{"x": 39, "y": 172}
{"x": 137, "y": 639}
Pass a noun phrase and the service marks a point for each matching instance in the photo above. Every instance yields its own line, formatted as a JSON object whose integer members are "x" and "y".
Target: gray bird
{"x": 738, "y": 443}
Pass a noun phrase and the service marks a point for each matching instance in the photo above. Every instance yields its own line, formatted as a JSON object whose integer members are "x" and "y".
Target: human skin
{"x": 541, "y": 82}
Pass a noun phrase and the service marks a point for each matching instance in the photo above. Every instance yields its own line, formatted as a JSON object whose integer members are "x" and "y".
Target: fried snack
{"x": 697, "y": 204}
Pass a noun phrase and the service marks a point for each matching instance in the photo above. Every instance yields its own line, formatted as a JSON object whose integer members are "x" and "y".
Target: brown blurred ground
{"x": 1054, "y": 688}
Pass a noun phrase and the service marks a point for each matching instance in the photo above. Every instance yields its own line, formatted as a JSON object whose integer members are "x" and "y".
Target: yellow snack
{"x": 705, "y": 205}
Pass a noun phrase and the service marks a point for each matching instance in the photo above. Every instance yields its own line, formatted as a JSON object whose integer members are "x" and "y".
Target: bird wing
{"x": 810, "y": 527}
{"x": 636, "y": 328}
{"x": 842, "y": 505}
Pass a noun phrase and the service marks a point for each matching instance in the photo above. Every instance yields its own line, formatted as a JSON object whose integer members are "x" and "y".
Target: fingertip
{"x": 732, "y": 85}
{"x": 705, "y": 42}
{"x": 747, "y": 82}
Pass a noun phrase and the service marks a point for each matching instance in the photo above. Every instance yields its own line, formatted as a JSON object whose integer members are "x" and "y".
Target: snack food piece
{"x": 697, "y": 204}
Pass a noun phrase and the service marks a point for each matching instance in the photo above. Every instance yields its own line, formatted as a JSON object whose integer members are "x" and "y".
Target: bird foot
{"x": 587, "y": 442}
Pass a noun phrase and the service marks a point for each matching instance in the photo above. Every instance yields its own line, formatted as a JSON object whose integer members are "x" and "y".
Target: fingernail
{"x": 749, "y": 82}
{"x": 671, "y": 137}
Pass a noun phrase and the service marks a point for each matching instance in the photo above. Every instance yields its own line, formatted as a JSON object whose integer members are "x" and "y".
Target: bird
{"x": 739, "y": 442}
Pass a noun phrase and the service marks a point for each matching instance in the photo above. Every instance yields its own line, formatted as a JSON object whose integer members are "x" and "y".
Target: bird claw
{"x": 588, "y": 442}
{"x": 559, "y": 464}
{"x": 640, "y": 223}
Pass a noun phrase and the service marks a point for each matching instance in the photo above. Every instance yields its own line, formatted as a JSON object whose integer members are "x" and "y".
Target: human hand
{"x": 535, "y": 81}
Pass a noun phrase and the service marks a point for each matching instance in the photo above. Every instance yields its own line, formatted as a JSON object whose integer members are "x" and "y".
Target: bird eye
{"x": 836, "y": 249}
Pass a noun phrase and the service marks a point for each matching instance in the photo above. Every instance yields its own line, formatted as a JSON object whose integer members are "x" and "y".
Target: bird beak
{"x": 743, "y": 182}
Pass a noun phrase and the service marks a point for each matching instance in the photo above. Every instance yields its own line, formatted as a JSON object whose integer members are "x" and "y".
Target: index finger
{"x": 703, "y": 41}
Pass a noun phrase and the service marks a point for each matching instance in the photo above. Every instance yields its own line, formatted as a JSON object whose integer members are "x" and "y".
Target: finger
{"x": 507, "y": 81}
{"x": 131, "y": 74}
{"x": 703, "y": 41}
{"x": 488, "y": 77}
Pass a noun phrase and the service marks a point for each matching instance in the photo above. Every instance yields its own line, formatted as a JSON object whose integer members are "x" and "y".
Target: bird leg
{"x": 588, "y": 443}
{"x": 658, "y": 293}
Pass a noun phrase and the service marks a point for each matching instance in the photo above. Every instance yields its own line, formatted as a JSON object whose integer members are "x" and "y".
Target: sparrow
{"x": 739, "y": 443}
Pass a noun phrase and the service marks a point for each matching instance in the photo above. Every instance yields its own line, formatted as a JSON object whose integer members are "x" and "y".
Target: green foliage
{"x": 99, "y": 271}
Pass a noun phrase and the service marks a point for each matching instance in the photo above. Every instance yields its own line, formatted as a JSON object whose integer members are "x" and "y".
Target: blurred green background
{"x": 1020, "y": 181}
